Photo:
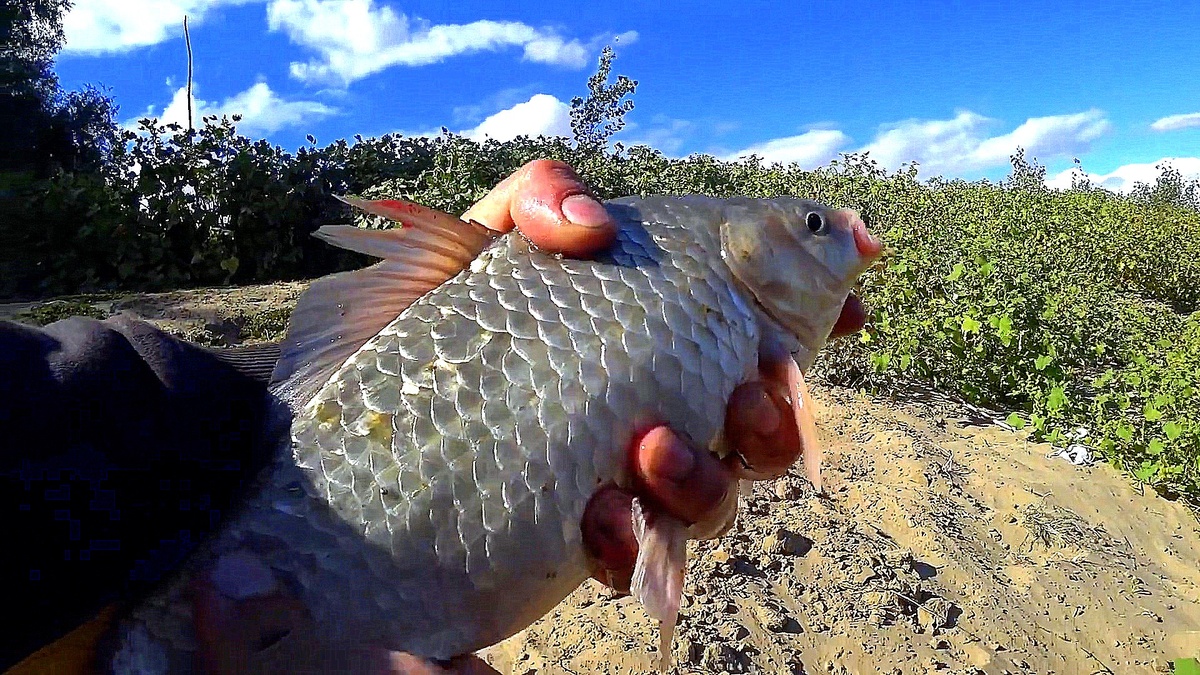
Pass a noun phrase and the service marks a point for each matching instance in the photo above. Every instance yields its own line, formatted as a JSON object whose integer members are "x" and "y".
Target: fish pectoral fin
{"x": 334, "y": 318}
{"x": 339, "y": 313}
{"x": 658, "y": 572}
{"x": 254, "y": 361}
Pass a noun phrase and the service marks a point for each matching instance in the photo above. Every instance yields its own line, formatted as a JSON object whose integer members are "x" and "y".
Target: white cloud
{"x": 505, "y": 98}
{"x": 354, "y": 39}
{"x": 663, "y": 133}
{"x": 961, "y": 144}
{"x": 1123, "y": 178}
{"x": 262, "y": 110}
{"x": 810, "y": 149}
{"x": 541, "y": 115}
{"x": 1177, "y": 122}
{"x": 106, "y": 26}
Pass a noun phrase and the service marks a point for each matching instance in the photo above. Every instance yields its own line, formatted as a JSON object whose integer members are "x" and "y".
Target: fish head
{"x": 799, "y": 260}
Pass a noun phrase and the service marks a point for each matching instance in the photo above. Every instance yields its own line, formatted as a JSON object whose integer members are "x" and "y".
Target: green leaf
{"x": 970, "y": 325}
{"x": 1151, "y": 413}
{"x": 1155, "y": 447}
{"x": 1004, "y": 329}
{"x": 1125, "y": 432}
{"x": 1042, "y": 361}
{"x": 1186, "y": 666}
{"x": 1056, "y": 400}
{"x": 1015, "y": 421}
{"x": 1145, "y": 471}
{"x": 881, "y": 361}
{"x": 957, "y": 272}
{"x": 1172, "y": 430}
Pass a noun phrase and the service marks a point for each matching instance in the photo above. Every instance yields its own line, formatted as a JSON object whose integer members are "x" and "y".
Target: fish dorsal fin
{"x": 338, "y": 314}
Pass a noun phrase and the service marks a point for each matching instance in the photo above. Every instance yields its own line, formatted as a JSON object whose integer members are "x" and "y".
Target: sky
{"x": 954, "y": 86}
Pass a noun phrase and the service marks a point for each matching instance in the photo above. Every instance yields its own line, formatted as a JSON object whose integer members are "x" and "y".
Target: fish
{"x": 449, "y": 411}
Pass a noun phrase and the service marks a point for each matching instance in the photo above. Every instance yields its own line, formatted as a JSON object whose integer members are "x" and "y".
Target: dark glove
{"x": 121, "y": 448}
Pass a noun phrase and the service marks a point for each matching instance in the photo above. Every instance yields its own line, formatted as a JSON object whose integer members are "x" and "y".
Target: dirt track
{"x": 947, "y": 544}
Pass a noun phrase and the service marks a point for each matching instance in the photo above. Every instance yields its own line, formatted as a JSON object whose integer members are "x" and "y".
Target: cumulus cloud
{"x": 356, "y": 38}
{"x": 473, "y": 113}
{"x": 541, "y": 115}
{"x": 962, "y": 144}
{"x": 1123, "y": 178}
{"x": 810, "y": 149}
{"x": 262, "y": 110}
{"x": 663, "y": 133}
{"x": 1177, "y": 122}
{"x": 108, "y": 26}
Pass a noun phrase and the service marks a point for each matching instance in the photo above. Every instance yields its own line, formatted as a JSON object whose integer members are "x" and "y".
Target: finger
{"x": 852, "y": 319}
{"x": 684, "y": 482}
{"x": 551, "y": 206}
{"x": 608, "y": 536}
{"x": 232, "y": 636}
{"x": 761, "y": 430}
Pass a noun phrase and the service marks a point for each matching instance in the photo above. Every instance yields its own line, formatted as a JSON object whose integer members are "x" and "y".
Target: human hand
{"x": 246, "y": 624}
{"x": 549, "y": 204}
{"x": 547, "y": 201}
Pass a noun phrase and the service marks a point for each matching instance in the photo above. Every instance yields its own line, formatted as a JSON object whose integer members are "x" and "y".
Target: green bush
{"x": 1068, "y": 307}
{"x": 176, "y": 208}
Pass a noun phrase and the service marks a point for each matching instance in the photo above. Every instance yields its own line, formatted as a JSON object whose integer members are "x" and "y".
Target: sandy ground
{"x": 946, "y": 544}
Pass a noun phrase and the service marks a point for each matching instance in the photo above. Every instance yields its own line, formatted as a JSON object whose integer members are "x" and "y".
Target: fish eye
{"x": 815, "y": 222}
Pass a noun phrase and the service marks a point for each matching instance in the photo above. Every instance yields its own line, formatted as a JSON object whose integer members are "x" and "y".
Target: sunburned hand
{"x": 547, "y": 201}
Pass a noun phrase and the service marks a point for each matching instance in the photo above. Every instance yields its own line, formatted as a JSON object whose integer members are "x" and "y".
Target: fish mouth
{"x": 869, "y": 246}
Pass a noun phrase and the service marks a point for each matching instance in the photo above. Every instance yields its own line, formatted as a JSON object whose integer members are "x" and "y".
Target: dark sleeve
{"x": 121, "y": 448}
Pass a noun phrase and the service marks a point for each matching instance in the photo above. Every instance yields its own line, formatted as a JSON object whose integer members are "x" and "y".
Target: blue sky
{"x": 955, "y": 86}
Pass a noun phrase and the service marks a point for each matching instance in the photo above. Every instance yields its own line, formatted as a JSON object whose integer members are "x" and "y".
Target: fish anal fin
{"x": 805, "y": 423}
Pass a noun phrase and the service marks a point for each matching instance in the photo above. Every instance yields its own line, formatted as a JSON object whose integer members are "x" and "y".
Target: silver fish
{"x": 453, "y": 408}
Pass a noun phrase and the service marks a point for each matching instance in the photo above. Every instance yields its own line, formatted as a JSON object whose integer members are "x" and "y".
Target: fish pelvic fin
{"x": 658, "y": 572}
{"x": 339, "y": 313}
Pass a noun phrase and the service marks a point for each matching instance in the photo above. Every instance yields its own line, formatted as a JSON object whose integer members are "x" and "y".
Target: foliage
{"x": 177, "y": 208}
{"x": 46, "y": 128}
{"x": 46, "y": 313}
{"x": 596, "y": 118}
{"x": 1066, "y": 308}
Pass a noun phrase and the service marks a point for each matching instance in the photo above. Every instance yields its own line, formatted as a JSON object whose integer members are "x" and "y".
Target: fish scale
{"x": 431, "y": 496}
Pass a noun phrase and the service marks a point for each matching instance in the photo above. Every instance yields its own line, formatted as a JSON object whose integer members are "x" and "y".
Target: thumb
{"x": 550, "y": 204}
{"x": 241, "y": 617}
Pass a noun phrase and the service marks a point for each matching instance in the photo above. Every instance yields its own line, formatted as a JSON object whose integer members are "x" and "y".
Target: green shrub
{"x": 46, "y": 313}
{"x": 1068, "y": 307}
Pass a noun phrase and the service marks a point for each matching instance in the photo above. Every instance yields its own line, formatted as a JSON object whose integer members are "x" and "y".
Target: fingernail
{"x": 584, "y": 211}
{"x": 240, "y": 576}
{"x": 675, "y": 460}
